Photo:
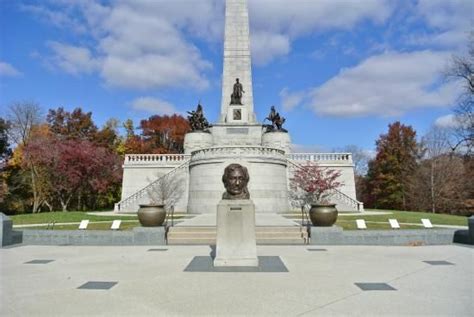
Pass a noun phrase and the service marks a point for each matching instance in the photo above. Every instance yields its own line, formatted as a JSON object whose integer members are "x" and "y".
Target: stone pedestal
{"x": 6, "y": 226}
{"x": 236, "y": 244}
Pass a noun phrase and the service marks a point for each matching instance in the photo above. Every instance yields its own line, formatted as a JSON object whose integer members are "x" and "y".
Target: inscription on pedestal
{"x": 237, "y": 131}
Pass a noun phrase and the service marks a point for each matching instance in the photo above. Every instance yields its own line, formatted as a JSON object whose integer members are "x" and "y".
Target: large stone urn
{"x": 323, "y": 215}
{"x": 151, "y": 215}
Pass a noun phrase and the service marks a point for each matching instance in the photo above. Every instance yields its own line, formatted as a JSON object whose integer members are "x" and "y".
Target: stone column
{"x": 237, "y": 62}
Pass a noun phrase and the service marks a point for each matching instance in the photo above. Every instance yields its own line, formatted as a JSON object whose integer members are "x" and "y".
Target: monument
{"x": 236, "y": 243}
{"x": 236, "y": 137}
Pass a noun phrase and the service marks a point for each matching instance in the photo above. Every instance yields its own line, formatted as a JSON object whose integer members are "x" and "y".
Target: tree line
{"x": 435, "y": 173}
{"x": 63, "y": 161}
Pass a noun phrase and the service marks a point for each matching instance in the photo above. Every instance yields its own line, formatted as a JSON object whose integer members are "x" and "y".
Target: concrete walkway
{"x": 319, "y": 281}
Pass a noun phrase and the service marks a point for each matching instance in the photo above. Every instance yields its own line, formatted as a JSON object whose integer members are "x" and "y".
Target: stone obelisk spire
{"x": 237, "y": 64}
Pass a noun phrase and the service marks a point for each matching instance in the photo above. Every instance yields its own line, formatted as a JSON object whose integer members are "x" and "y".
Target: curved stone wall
{"x": 268, "y": 177}
{"x": 279, "y": 140}
{"x": 197, "y": 140}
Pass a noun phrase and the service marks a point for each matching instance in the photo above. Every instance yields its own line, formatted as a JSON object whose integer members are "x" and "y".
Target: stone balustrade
{"x": 236, "y": 151}
{"x": 156, "y": 159}
{"x": 343, "y": 158}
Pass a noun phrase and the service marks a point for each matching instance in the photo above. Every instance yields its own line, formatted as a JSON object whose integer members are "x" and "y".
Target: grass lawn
{"x": 410, "y": 217}
{"x": 59, "y": 216}
{"x": 104, "y": 225}
{"x": 375, "y": 222}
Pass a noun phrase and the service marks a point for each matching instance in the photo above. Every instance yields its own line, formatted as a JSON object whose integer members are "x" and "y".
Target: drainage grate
{"x": 375, "y": 287}
{"x": 98, "y": 285}
{"x": 39, "y": 262}
{"x": 157, "y": 250}
{"x": 438, "y": 262}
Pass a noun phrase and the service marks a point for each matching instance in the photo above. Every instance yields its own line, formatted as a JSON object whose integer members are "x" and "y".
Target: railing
{"x": 321, "y": 157}
{"x": 345, "y": 199}
{"x": 232, "y": 151}
{"x": 357, "y": 205}
{"x": 145, "y": 159}
{"x": 144, "y": 191}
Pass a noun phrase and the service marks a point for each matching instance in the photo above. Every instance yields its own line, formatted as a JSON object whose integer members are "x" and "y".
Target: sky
{"x": 339, "y": 71}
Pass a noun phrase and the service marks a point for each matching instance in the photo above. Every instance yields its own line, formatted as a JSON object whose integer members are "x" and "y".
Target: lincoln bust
{"x": 235, "y": 179}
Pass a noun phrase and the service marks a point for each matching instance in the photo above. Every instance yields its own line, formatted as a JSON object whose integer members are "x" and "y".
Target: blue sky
{"x": 339, "y": 71}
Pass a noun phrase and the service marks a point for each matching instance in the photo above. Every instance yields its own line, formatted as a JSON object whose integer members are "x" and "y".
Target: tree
{"x": 164, "y": 134}
{"x": 108, "y": 136}
{"x": 390, "y": 174}
{"x": 72, "y": 125}
{"x": 74, "y": 167}
{"x": 5, "y": 151}
{"x": 461, "y": 69}
{"x": 24, "y": 117}
{"x": 439, "y": 181}
{"x": 312, "y": 184}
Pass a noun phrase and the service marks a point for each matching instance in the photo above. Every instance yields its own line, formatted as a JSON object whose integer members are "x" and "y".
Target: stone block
{"x": 470, "y": 224}
{"x": 149, "y": 236}
{"x": 326, "y": 235}
{"x": 6, "y": 231}
{"x": 236, "y": 243}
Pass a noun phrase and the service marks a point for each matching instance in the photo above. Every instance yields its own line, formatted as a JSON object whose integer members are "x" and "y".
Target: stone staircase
{"x": 266, "y": 235}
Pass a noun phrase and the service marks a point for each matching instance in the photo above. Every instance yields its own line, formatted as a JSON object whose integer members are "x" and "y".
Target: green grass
{"x": 71, "y": 216}
{"x": 411, "y": 217}
{"x": 351, "y": 225}
{"x": 377, "y": 222}
{"x": 105, "y": 225}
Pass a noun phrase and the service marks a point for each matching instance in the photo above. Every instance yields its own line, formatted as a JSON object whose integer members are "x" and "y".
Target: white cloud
{"x": 290, "y": 100}
{"x": 450, "y": 22}
{"x": 268, "y": 46}
{"x": 137, "y": 44}
{"x": 153, "y": 105}
{"x": 447, "y": 121}
{"x": 8, "y": 70}
{"x": 387, "y": 84}
{"x": 276, "y": 23}
{"x": 72, "y": 59}
{"x": 297, "y": 18}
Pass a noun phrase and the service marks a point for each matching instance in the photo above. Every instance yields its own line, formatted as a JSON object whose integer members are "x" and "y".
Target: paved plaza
{"x": 306, "y": 280}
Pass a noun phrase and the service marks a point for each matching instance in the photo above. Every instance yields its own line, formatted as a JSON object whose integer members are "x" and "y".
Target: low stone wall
{"x": 137, "y": 236}
{"x": 336, "y": 236}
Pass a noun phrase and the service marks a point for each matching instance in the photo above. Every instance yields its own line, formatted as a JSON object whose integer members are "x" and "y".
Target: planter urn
{"x": 151, "y": 215}
{"x": 323, "y": 215}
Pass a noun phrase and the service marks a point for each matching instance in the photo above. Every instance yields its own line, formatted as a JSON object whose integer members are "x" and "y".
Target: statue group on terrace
{"x": 197, "y": 121}
{"x": 276, "y": 120}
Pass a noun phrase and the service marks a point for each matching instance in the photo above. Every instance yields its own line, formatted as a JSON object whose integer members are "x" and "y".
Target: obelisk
{"x": 237, "y": 65}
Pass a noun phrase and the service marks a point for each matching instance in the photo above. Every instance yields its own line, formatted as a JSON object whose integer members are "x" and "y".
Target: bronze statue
{"x": 197, "y": 121}
{"x": 235, "y": 179}
{"x": 236, "y": 96}
{"x": 276, "y": 120}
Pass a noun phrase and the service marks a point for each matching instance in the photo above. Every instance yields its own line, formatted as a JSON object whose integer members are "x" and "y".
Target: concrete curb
{"x": 336, "y": 236}
{"x": 138, "y": 236}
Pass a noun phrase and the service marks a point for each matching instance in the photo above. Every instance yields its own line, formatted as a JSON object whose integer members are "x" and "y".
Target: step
{"x": 204, "y": 241}
{"x": 205, "y": 235}
{"x": 257, "y": 229}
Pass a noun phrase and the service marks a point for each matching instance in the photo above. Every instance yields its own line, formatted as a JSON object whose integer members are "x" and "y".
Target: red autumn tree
{"x": 164, "y": 134}
{"x": 390, "y": 174}
{"x": 313, "y": 184}
{"x": 73, "y": 167}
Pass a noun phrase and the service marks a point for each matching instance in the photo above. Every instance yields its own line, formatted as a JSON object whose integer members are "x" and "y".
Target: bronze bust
{"x": 235, "y": 179}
